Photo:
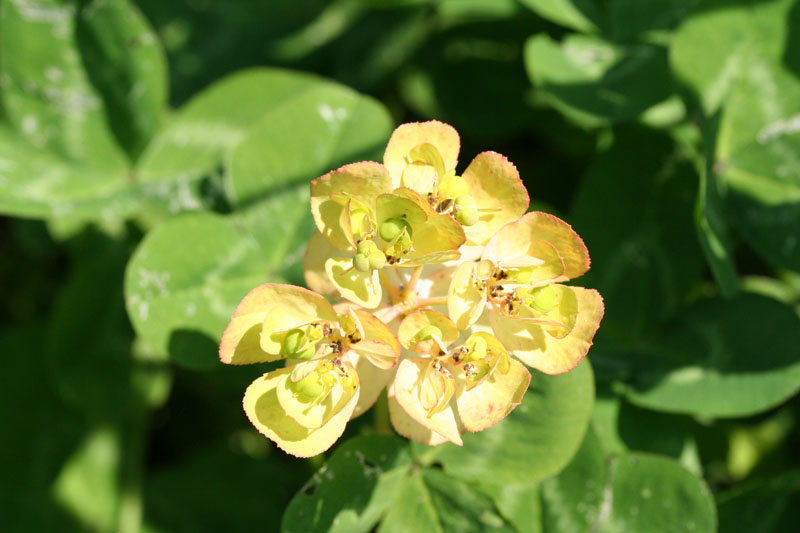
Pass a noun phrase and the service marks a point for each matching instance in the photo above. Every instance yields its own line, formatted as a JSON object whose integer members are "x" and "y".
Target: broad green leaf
{"x": 622, "y": 427}
{"x": 187, "y": 276}
{"x": 520, "y": 504}
{"x": 720, "y": 41}
{"x": 126, "y": 65}
{"x": 305, "y": 136}
{"x": 710, "y": 218}
{"x": 723, "y": 358}
{"x": 757, "y": 157}
{"x": 594, "y": 81}
{"x": 87, "y": 484}
{"x": 432, "y": 501}
{"x": 433, "y": 85}
{"x": 221, "y": 488}
{"x": 216, "y": 120}
{"x": 536, "y": 440}
{"x": 627, "y": 19}
{"x": 748, "y": 73}
{"x": 767, "y": 506}
{"x": 630, "y": 492}
{"x": 35, "y": 182}
{"x": 645, "y": 260}
{"x": 46, "y": 92}
{"x": 581, "y": 15}
{"x": 355, "y": 487}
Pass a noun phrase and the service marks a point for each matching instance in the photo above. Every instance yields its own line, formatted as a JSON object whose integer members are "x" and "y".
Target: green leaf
{"x": 351, "y": 492}
{"x": 630, "y": 492}
{"x": 520, "y": 504}
{"x": 536, "y": 440}
{"x": 594, "y": 81}
{"x": 432, "y": 501}
{"x": 723, "y": 358}
{"x": 46, "y": 93}
{"x": 767, "y": 506}
{"x": 303, "y": 137}
{"x": 187, "y": 276}
{"x": 125, "y": 63}
{"x": 757, "y": 158}
{"x": 87, "y": 484}
{"x": 581, "y": 15}
{"x": 35, "y": 182}
{"x": 645, "y": 260}
{"x": 710, "y": 217}
{"x": 744, "y": 34}
{"x": 622, "y": 427}
{"x": 627, "y": 19}
{"x": 216, "y": 120}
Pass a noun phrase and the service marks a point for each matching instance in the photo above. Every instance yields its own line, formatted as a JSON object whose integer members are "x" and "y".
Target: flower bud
{"x": 392, "y": 228}
{"x": 465, "y": 211}
{"x": 361, "y": 263}
{"x": 377, "y": 260}
{"x": 428, "y": 333}
{"x": 295, "y": 345}
{"x": 310, "y": 386}
{"x": 366, "y": 247}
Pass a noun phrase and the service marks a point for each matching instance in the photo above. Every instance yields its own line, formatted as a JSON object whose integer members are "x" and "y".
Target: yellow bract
{"x": 409, "y": 239}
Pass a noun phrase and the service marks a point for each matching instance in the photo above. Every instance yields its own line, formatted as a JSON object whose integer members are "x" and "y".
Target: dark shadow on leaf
{"x": 193, "y": 349}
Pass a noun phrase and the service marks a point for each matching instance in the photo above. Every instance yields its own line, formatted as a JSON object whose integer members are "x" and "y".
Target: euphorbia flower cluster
{"x": 442, "y": 287}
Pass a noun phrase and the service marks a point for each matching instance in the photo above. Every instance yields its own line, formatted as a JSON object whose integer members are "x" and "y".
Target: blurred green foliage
{"x": 154, "y": 162}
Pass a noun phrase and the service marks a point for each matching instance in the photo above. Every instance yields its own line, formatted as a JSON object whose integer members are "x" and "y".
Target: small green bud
{"x": 311, "y": 386}
{"x": 361, "y": 263}
{"x": 366, "y": 247}
{"x": 543, "y": 299}
{"x": 393, "y": 228}
{"x": 464, "y": 210}
{"x": 294, "y": 341}
{"x": 428, "y": 332}
{"x": 452, "y": 186}
{"x": 377, "y": 260}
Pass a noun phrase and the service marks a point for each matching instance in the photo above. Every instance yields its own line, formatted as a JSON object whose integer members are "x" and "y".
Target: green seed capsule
{"x": 366, "y": 247}
{"x": 467, "y": 217}
{"x": 310, "y": 386}
{"x": 294, "y": 341}
{"x": 464, "y": 210}
{"x": 377, "y": 260}
{"x": 393, "y": 228}
{"x": 428, "y": 332}
{"x": 361, "y": 263}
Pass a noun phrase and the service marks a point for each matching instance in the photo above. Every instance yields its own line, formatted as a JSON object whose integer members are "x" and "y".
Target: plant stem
{"x": 382, "y": 422}
{"x": 430, "y": 302}
{"x": 411, "y": 286}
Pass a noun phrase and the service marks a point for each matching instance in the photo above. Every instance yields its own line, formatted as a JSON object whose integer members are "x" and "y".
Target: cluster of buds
{"x": 442, "y": 287}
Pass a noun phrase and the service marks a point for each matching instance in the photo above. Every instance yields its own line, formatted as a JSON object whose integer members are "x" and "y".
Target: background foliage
{"x": 154, "y": 166}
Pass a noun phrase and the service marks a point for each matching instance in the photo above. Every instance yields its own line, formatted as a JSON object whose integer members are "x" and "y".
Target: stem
{"x": 383, "y": 425}
{"x": 411, "y": 286}
{"x": 430, "y": 302}
{"x": 395, "y": 294}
